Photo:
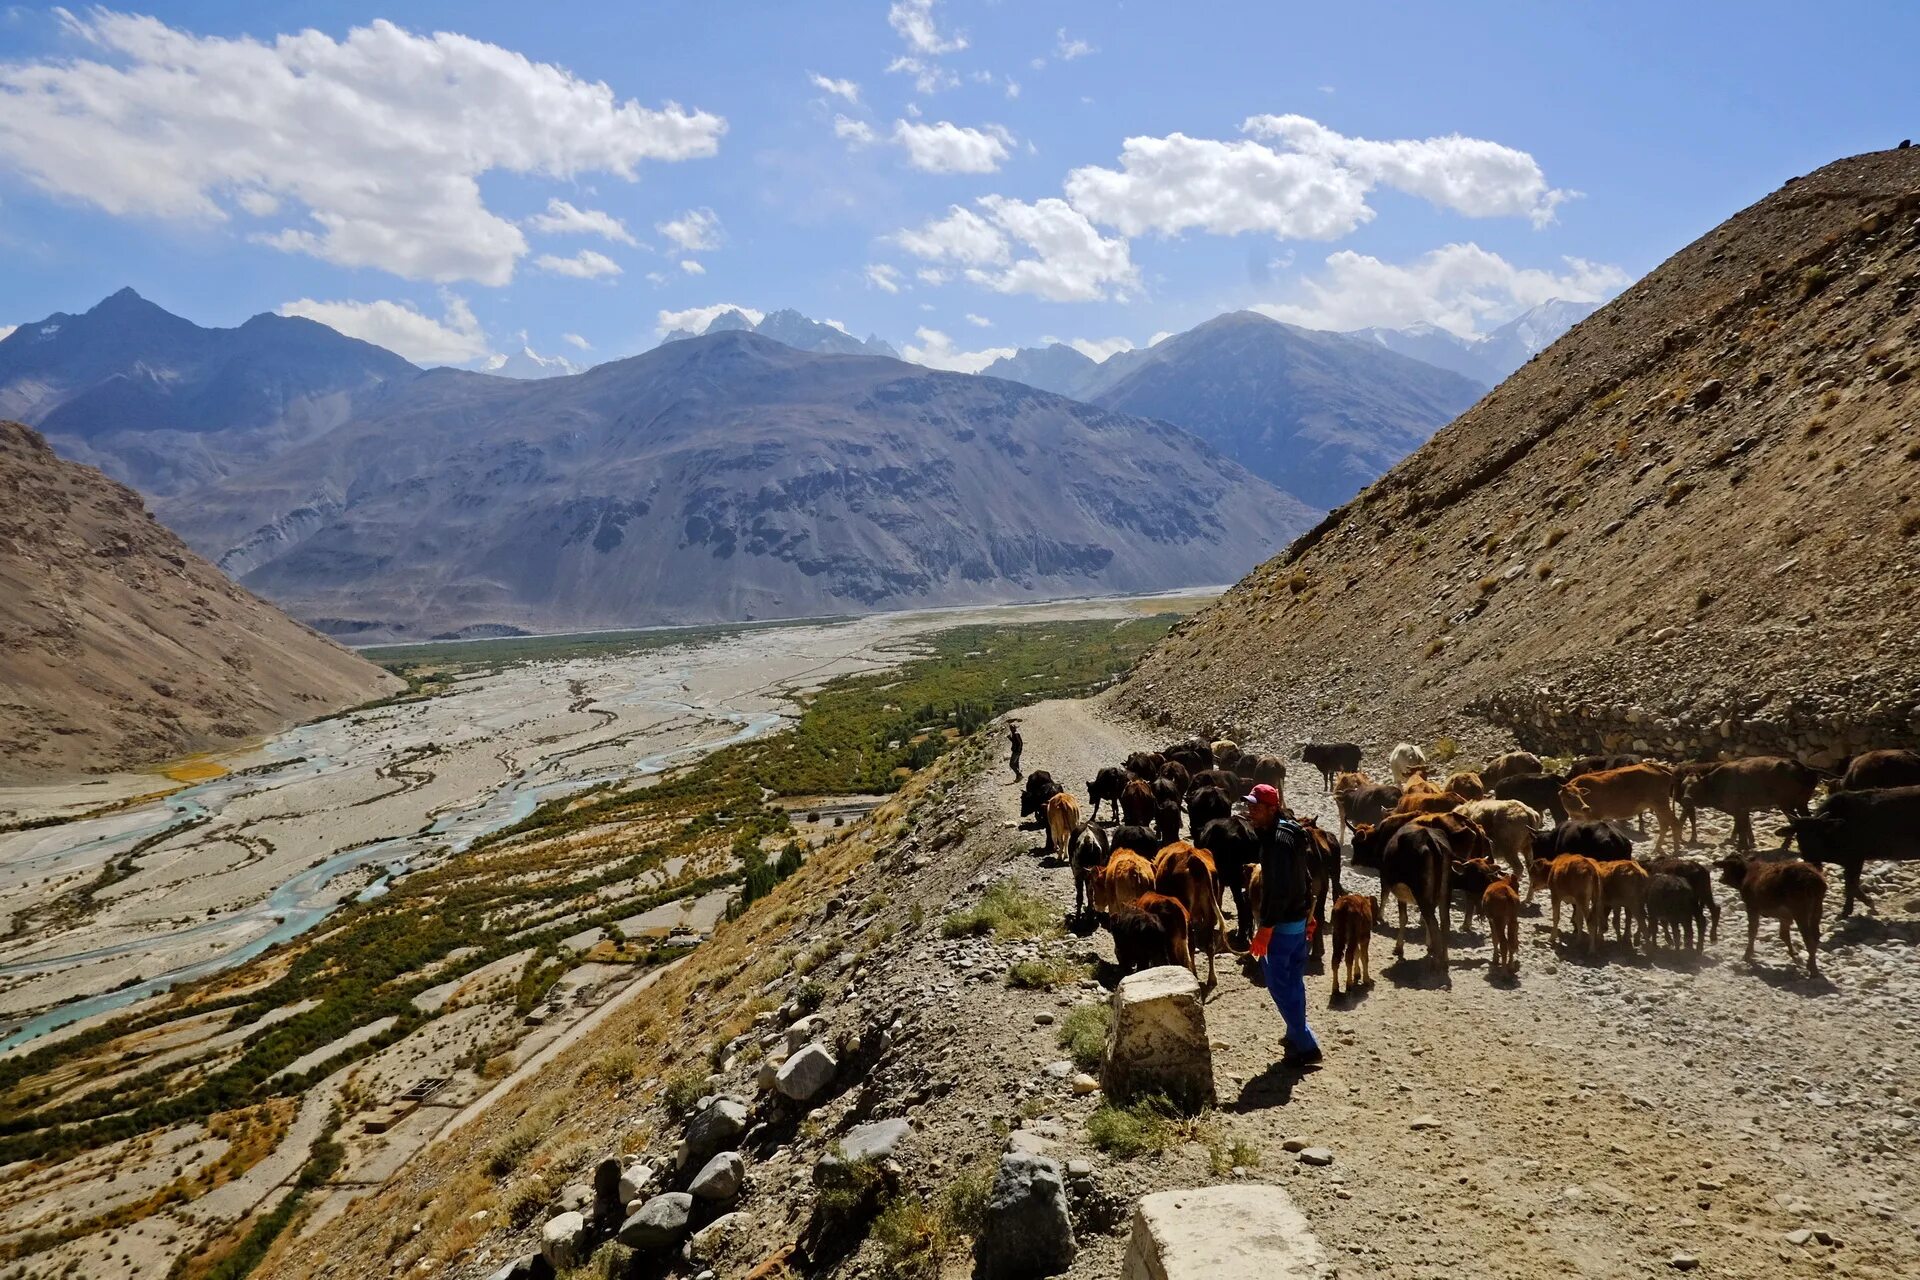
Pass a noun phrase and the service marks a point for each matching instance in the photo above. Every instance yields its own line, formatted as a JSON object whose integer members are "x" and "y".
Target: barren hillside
{"x": 1689, "y": 524}
{"x": 118, "y": 646}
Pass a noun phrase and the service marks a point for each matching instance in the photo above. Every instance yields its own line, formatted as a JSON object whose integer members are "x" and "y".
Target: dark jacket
{"x": 1286, "y": 875}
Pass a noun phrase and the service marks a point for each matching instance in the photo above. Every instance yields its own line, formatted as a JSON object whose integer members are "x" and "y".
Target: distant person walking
{"x": 1013, "y": 748}
{"x": 1285, "y": 903}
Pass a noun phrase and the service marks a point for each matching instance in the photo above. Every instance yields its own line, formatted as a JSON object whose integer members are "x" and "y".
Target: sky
{"x": 960, "y": 177}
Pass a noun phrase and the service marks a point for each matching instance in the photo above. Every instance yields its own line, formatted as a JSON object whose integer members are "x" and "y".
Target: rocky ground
{"x": 1620, "y": 1116}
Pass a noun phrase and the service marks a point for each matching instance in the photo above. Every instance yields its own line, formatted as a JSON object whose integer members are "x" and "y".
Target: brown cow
{"x": 1352, "y": 928}
{"x": 1790, "y": 892}
{"x": 1576, "y": 881}
{"x": 1467, "y": 785}
{"x": 1136, "y": 803}
{"x": 1188, "y": 876}
{"x": 1150, "y": 933}
{"x": 1623, "y": 899}
{"x": 1511, "y": 764}
{"x": 1877, "y": 770}
{"x": 1470, "y": 880}
{"x": 1501, "y": 904}
{"x": 1625, "y": 793}
{"x": 1063, "y": 819}
{"x": 1738, "y": 787}
{"x": 1121, "y": 882}
{"x": 1510, "y": 826}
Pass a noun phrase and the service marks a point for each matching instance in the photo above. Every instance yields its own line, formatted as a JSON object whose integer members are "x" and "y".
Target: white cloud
{"x": 381, "y": 138}
{"x": 577, "y": 341}
{"x": 692, "y": 267}
{"x": 1473, "y": 176}
{"x": 946, "y": 147}
{"x": 6, "y": 331}
{"x": 400, "y": 328}
{"x": 933, "y": 276}
{"x": 856, "y": 133}
{"x": 883, "y": 277}
{"x": 913, "y": 20}
{"x": 1064, "y": 260}
{"x": 698, "y": 318}
{"x": 936, "y": 351}
{"x": 695, "y": 231}
{"x": 928, "y": 77}
{"x": 561, "y": 218}
{"x": 1461, "y": 288}
{"x": 979, "y": 321}
{"x": 846, "y": 89}
{"x": 584, "y": 265}
{"x": 1159, "y": 337}
{"x": 1099, "y": 349}
{"x": 1013, "y": 87}
{"x": 1068, "y": 49}
{"x": 260, "y": 204}
{"x": 1314, "y": 187}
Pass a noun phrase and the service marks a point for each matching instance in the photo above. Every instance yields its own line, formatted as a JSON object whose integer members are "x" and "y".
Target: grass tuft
{"x": 1006, "y": 911}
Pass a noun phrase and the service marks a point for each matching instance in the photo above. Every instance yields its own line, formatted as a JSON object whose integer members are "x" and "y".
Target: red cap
{"x": 1263, "y": 794}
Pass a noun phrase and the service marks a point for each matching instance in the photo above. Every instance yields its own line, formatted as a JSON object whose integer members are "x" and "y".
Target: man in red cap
{"x": 1286, "y": 900}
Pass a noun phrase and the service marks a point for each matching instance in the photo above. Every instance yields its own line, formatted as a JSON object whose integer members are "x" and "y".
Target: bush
{"x": 684, "y": 1088}
{"x": 1043, "y": 975}
{"x": 965, "y": 1204}
{"x": 1005, "y": 910}
{"x": 809, "y": 996}
{"x": 511, "y": 1150}
{"x": 615, "y": 1066}
{"x": 1443, "y": 750}
{"x": 1137, "y": 1128}
{"x": 912, "y": 1239}
{"x": 528, "y": 1203}
{"x": 1083, "y": 1034}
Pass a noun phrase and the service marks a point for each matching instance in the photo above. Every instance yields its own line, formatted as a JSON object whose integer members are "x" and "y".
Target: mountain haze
{"x": 1489, "y": 358}
{"x": 794, "y": 330}
{"x": 725, "y": 477}
{"x": 122, "y": 647}
{"x": 1058, "y": 368}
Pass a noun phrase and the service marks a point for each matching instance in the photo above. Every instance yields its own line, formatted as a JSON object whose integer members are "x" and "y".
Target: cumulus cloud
{"x": 584, "y": 265}
{"x": 380, "y": 139}
{"x": 1099, "y": 349}
{"x": 946, "y": 147}
{"x": 692, "y": 267}
{"x": 1068, "y": 48}
{"x": 1046, "y": 249}
{"x": 883, "y": 277}
{"x": 577, "y": 341}
{"x": 1461, "y": 288}
{"x": 928, "y": 77}
{"x": 933, "y": 276}
{"x": 695, "y": 231}
{"x": 913, "y": 20}
{"x": 856, "y": 133}
{"x": 980, "y": 322}
{"x": 936, "y": 351}
{"x": 1313, "y": 186}
{"x": 846, "y": 89}
{"x": 698, "y": 318}
{"x": 456, "y": 338}
{"x": 561, "y": 218}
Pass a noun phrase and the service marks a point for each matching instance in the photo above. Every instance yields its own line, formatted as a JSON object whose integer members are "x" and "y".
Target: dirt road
{"x": 1612, "y": 1118}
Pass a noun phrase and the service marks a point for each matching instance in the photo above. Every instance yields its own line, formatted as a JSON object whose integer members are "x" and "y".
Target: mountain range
{"x": 724, "y": 477}
{"x": 1491, "y": 357}
{"x": 793, "y": 329}
{"x": 119, "y": 646}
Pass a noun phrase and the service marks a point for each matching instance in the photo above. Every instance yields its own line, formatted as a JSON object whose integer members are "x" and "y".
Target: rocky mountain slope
{"x": 1487, "y": 359}
{"x": 1318, "y": 414}
{"x": 119, "y": 646}
{"x": 722, "y": 478}
{"x": 162, "y": 404}
{"x": 1690, "y": 524}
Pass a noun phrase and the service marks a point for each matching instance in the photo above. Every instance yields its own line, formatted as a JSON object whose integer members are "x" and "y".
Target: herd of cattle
{"x": 1478, "y": 836}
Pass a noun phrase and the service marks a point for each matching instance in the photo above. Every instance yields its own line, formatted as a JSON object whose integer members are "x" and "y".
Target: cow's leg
{"x": 1400, "y": 934}
{"x": 1556, "y": 916}
{"x": 1854, "y": 889}
{"x": 1786, "y": 936}
{"x": 1753, "y": 932}
{"x": 1809, "y": 923}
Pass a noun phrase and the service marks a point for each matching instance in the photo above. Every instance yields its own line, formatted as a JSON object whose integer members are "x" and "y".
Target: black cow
{"x": 1166, "y": 821}
{"x": 1851, "y": 827}
{"x": 1600, "y": 764}
{"x": 1601, "y": 841}
{"x": 1225, "y": 779}
{"x": 1204, "y": 804}
{"x": 1145, "y": 765}
{"x": 1142, "y": 840}
{"x": 1106, "y": 786}
{"x": 1331, "y": 758}
{"x": 1876, "y": 770}
{"x": 1176, "y": 775}
{"x": 1234, "y": 848}
{"x": 1040, "y": 788}
{"x": 1537, "y": 791}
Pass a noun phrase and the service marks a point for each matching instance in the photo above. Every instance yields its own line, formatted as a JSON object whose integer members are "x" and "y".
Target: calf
{"x": 1470, "y": 880}
{"x": 1467, "y": 785}
{"x": 1136, "y": 803}
{"x": 1352, "y": 928}
{"x": 1416, "y": 869}
{"x": 1877, "y": 770}
{"x": 1852, "y": 826}
{"x": 1501, "y": 905}
{"x": 1272, "y": 771}
{"x": 1683, "y": 776}
{"x": 1357, "y": 798}
{"x": 1224, "y": 779}
{"x": 1120, "y": 883}
{"x": 1430, "y": 802}
{"x": 1188, "y": 876}
{"x": 1510, "y": 826}
{"x": 1790, "y": 892}
{"x": 1063, "y": 819}
{"x": 1699, "y": 880}
{"x": 1535, "y": 790}
{"x": 1149, "y": 934}
{"x": 1106, "y": 787}
{"x": 1576, "y": 881}
{"x": 1331, "y": 758}
{"x": 1404, "y": 759}
{"x": 1625, "y": 793}
{"x": 1226, "y": 753}
{"x": 1086, "y": 854}
{"x": 1040, "y": 788}
{"x": 1511, "y": 764}
{"x": 1601, "y": 842}
{"x": 1673, "y": 909}
{"x": 1738, "y": 787}
{"x": 1623, "y": 899}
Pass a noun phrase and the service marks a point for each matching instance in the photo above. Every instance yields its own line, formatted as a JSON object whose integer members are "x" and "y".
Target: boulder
{"x": 1028, "y": 1228}
{"x": 636, "y": 1180}
{"x": 872, "y": 1142}
{"x": 801, "y": 1033}
{"x": 1158, "y": 1042}
{"x": 660, "y": 1222}
{"x": 806, "y": 1073}
{"x": 528, "y": 1267}
{"x": 714, "y": 1129}
{"x": 609, "y": 1206}
{"x": 705, "y": 1244}
{"x": 1239, "y": 1232}
{"x": 564, "y": 1241}
{"x": 720, "y": 1177}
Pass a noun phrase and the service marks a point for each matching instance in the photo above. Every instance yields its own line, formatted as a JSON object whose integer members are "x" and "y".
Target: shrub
{"x": 851, "y": 1192}
{"x": 1813, "y": 280}
{"x": 809, "y": 996}
{"x": 615, "y": 1066}
{"x": 1444, "y": 749}
{"x": 1043, "y": 975}
{"x": 1223, "y": 1157}
{"x": 527, "y": 1203}
{"x": 511, "y": 1150}
{"x": 965, "y": 1205}
{"x": 683, "y": 1088}
{"x": 1083, "y": 1034}
{"x": 1135, "y": 1129}
{"x": 912, "y": 1239}
{"x": 1005, "y": 910}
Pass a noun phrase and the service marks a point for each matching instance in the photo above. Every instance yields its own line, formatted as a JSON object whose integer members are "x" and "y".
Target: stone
{"x": 577, "y": 1196}
{"x": 713, "y": 1130}
{"x": 660, "y": 1223}
{"x": 564, "y": 1240}
{"x": 1031, "y": 1143}
{"x": 1158, "y": 1041}
{"x": 873, "y": 1141}
{"x": 1028, "y": 1229}
{"x": 801, "y": 1033}
{"x": 528, "y": 1267}
{"x": 1424, "y": 1122}
{"x": 1059, "y": 1070}
{"x": 1683, "y": 1262}
{"x": 635, "y": 1181}
{"x": 705, "y": 1244}
{"x": 806, "y": 1073}
{"x": 1799, "y": 1235}
{"x": 1083, "y": 1084}
{"x": 1246, "y": 1231}
{"x": 720, "y": 1177}
{"x": 1707, "y": 394}
{"x": 1319, "y": 1156}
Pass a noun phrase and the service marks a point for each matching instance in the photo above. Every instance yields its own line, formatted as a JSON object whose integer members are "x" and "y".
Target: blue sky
{"x": 959, "y": 176}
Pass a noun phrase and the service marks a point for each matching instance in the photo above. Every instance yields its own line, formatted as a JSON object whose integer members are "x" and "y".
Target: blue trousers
{"x": 1286, "y": 971}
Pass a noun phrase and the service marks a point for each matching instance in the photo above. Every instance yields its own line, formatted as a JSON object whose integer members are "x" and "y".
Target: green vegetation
{"x": 1005, "y": 910}
{"x": 1044, "y": 975}
{"x": 1083, "y": 1034}
{"x": 912, "y": 1239}
{"x": 683, "y": 1089}
{"x": 504, "y": 651}
{"x": 1143, "y": 1125}
{"x": 323, "y": 1158}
